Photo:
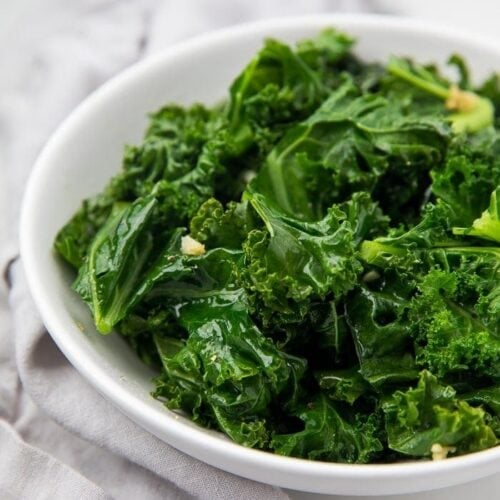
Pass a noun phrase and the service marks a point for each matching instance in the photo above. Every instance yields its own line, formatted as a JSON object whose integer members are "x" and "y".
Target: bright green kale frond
{"x": 488, "y": 225}
{"x": 219, "y": 227}
{"x": 294, "y": 261}
{"x": 431, "y": 414}
{"x": 471, "y": 112}
{"x": 453, "y": 329}
{"x": 432, "y": 232}
{"x": 468, "y": 176}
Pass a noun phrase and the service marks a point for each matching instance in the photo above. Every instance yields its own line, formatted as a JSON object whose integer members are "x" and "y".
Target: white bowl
{"x": 87, "y": 149}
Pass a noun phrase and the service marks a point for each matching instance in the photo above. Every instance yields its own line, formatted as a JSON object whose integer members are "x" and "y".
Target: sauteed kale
{"x": 313, "y": 266}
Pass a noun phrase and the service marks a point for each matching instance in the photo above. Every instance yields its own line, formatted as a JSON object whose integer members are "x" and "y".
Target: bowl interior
{"x": 87, "y": 151}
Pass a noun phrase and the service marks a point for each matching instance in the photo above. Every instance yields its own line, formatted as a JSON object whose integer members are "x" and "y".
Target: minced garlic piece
{"x": 461, "y": 100}
{"x": 190, "y": 246}
{"x": 248, "y": 175}
{"x": 440, "y": 452}
{"x": 371, "y": 276}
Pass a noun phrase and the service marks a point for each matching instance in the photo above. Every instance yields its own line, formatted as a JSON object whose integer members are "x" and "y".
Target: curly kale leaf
{"x": 465, "y": 184}
{"x": 281, "y": 86}
{"x": 226, "y": 369}
{"x": 219, "y": 227}
{"x": 172, "y": 144}
{"x": 488, "y": 225}
{"x": 451, "y": 336}
{"x": 431, "y": 233}
{"x": 429, "y": 243}
{"x": 344, "y": 146}
{"x": 431, "y": 414}
{"x": 453, "y": 311}
{"x": 377, "y": 316}
{"x": 329, "y": 435}
{"x": 292, "y": 260}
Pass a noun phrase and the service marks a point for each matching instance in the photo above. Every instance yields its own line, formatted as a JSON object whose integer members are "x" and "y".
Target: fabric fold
{"x": 27, "y": 472}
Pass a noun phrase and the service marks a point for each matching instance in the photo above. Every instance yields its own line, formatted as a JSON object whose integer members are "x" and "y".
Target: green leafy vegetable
{"x": 329, "y": 436}
{"x": 116, "y": 258}
{"x": 471, "y": 172}
{"x": 473, "y": 112}
{"x": 312, "y": 266}
{"x": 343, "y": 385}
{"x": 431, "y": 414}
{"x": 294, "y": 260}
{"x": 344, "y": 146}
{"x": 451, "y": 336}
{"x": 488, "y": 225}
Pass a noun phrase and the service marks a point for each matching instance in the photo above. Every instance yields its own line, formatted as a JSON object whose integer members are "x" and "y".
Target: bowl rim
{"x": 181, "y": 434}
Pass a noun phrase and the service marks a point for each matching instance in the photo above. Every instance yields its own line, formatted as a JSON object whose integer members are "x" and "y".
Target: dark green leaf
{"x": 329, "y": 436}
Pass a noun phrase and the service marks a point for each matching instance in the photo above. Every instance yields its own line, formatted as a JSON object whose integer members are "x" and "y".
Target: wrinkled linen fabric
{"x": 59, "y": 439}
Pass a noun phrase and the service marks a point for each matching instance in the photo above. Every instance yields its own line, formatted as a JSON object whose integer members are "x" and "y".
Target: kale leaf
{"x": 329, "y": 436}
{"x": 431, "y": 414}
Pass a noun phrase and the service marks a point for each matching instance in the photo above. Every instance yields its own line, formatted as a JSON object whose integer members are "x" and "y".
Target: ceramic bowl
{"x": 86, "y": 151}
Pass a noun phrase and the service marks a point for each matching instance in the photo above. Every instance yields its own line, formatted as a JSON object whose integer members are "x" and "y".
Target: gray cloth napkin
{"x": 59, "y": 439}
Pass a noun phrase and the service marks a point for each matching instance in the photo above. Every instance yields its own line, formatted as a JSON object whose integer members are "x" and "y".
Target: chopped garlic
{"x": 440, "y": 452}
{"x": 190, "y": 246}
{"x": 461, "y": 100}
{"x": 371, "y": 276}
{"x": 248, "y": 175}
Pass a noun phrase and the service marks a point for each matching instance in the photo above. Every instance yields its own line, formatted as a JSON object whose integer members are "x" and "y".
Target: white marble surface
{"x": 11, "y": 11}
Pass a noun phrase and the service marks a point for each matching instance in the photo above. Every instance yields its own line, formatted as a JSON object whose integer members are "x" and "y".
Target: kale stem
{"x": 473, "y": 112}
{"x": 431, "y": 88}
